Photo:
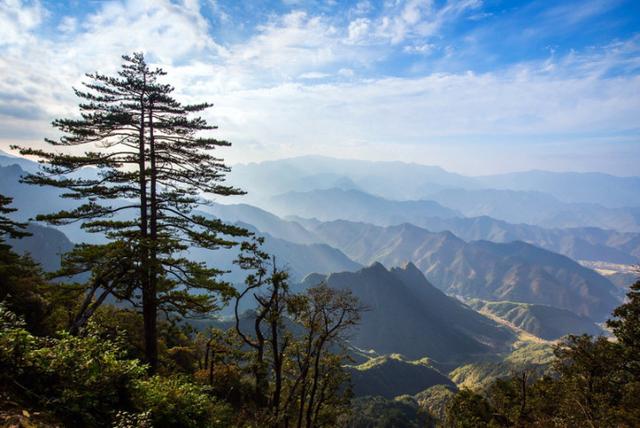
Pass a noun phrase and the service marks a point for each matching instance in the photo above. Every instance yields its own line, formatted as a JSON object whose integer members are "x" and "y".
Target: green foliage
{"x": 90, "y": 381}
{"x": 175, "y": 402}
{"x": 85, "y": 376}
{"x": 435, "y": 400}
{"x": 594, "y": 383}
{"x": 124, "y": 419}
{"x": 468, "y": 410}
{"x": 82, "y": 379}
{"x": 626, "y": 326}
{"x": 479, "y": 376}
{"x": 8, "y": 227}
{"x": 22, "y": 287}
{"x": 152, "y": 169}
{"x": 379, "y": 412}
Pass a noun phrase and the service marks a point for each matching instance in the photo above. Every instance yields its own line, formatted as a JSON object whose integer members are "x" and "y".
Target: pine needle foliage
{"x": 149, "y": 170}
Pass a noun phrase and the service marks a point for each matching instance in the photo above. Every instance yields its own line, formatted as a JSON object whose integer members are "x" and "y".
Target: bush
{"x": 86, "y": 377}
{"x": 175, "y": 402}
{"x": 82, "y": 379}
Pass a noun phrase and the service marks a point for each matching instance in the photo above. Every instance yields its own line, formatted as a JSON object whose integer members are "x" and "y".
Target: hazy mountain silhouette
{"x": 594, "y": 187}
{"x": 537, "y": 208}
{"x": 333, "y": 204}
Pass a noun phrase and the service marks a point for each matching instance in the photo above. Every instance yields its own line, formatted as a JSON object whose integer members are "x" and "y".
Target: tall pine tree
{"x": 152, "y": 170}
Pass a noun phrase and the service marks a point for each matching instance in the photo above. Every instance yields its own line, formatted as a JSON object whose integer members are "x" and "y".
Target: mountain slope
{"x": 408, "y": 315}
{"x": 477, "y": 376}
{"x": 513, "y": 271}
{"x": 585, "y": 243}
{"x": 263, "y": 221}
{"x": 45, "y": 245}
{"x": 546, "y": 322}
{"x": 392, "y": 375}
{"x": 299, "y": 259}
{"x": 333, "y": 204}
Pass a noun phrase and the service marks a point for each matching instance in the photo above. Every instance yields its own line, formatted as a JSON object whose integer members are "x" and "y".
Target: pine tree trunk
{"x": 152, "y": 333}
{"x": 148, "y": 296}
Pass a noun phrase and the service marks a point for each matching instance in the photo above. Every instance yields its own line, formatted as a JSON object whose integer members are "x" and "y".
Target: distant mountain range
{"x": 536, "y": 208}
{"x": 334, "y": 204}
{"x": 500, "y": 270}
{"x": 586, "y": 243}
{"x": 407, "y": 315}
{"x": 421, "y": 232}
{"x": 590, "y": 244}
{"x": 406, "y": 181}
{"x": 262, "y": 220}
{"x": 479, "y": 269}
{"x": 392, "y": 180}
{"x": 517, "y": 207}
{"x": 576, "y": 187}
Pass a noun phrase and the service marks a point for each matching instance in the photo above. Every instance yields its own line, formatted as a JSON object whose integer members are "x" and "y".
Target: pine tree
{"x": 152, "y": 170}
{"x": 9, "y": 228}
{"x": 21, "y": 279}
{"x": 626, "y": 327}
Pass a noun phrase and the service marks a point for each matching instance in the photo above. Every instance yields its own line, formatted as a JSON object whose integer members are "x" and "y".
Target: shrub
{"x": 85, "y": 377}
{"x": 176, "y": 402}
{"x": 82, "y": 379}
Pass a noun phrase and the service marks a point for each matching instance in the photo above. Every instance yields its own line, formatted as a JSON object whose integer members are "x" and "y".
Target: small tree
{"x": 626, "y": 326}
{"x": 296, "y": 342}
{"x": 152, "y": 169}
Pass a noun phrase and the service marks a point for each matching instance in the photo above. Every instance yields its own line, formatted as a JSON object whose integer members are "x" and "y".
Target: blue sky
{"x": 475, "y": 86}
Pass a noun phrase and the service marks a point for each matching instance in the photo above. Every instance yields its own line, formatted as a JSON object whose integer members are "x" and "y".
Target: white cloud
{"x": 422, "y": 49}
{"x": 346, "y": 72}
{"x": 408, "y": 20}
{"x": 358, "y": 29}
{"x": 18, "y": 19}
{"x": 362, "y": 8}
{"x": 312, "y": 75}
{"x": 269, "y": 94}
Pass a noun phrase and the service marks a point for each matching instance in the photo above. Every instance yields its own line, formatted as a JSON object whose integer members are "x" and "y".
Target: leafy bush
{"x": 82, "y": 379}
{"x": 87, "y": 377}
{"x": 175, "y": 402}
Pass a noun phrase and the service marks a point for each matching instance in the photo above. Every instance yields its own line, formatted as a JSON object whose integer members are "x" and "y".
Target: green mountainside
{"x": 392, "y": 375}
{"x": 526, "y": 356}
{"x": 545, "y": 322}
